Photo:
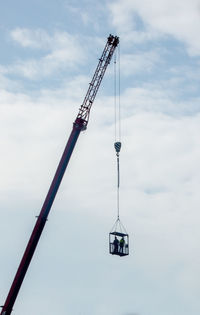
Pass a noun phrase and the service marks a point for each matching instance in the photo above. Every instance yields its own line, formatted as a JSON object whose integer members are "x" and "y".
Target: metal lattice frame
{"x": 109, "y": 49}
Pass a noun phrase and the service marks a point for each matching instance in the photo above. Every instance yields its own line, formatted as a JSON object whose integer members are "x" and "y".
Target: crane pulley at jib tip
{"x": 80, "y": 124}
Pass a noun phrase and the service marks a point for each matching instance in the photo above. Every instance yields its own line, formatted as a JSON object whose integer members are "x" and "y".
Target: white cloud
{"x": 143, "y": 62}
{"x": 37, "y": 39}
{"x": 64, "y": 51}
{"x": 5, "y": 82}
{"x": 89, "y": 14}
{"x": 81, "y": 13}
{"x": 151, "y": 98}
{"x": 179, "y": 19}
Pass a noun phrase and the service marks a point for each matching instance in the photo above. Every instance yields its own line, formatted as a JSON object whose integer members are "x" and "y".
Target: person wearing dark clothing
{"x": 116, "y": 245}
{"x": 121, "y": 245}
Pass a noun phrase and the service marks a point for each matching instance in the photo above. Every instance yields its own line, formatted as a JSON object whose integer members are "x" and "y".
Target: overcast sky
{"x": 48, "y": 53}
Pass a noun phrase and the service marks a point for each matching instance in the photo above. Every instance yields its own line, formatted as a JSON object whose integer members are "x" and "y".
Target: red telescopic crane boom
{"x": 80, "y": 124}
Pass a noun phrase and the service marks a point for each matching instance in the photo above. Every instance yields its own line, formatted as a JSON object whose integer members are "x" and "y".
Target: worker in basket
{"x": 116, "y": 245}
{"x": 121, "y": 245}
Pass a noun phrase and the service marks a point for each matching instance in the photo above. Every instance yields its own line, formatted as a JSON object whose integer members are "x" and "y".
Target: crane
{"x": 79, "y": 125}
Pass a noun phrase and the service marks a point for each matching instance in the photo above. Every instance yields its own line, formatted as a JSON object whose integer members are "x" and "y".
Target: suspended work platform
{"x": 118, "y": 240}
{"x": 119, "y": 244}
